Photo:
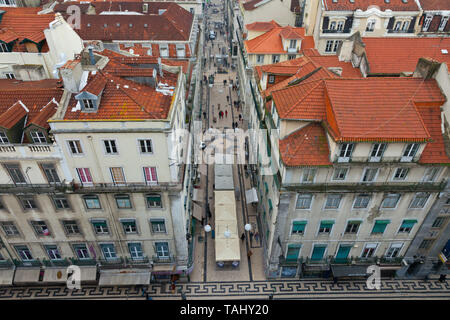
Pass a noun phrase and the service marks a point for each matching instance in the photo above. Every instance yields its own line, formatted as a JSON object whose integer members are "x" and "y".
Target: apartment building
{"x": 338, "y": 19}
{"x": 341, "y": 192}
{"x": 32, "y": 46}
{"x": 126, "y": 211}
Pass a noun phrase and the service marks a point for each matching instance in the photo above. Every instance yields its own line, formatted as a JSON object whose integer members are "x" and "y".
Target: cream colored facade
{"x": 268, "y": 10}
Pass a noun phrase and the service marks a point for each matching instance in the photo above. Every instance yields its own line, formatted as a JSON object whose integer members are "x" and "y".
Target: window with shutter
{"x": 326, "y": 22}
{"x": 150, "y": 175}
{"x": 117, "y": 175}
{"x": 293, "y": 251}
{"x": 380, "y": 226}
{"x": 318, "y": 252}
{"x": 298, "y": 227}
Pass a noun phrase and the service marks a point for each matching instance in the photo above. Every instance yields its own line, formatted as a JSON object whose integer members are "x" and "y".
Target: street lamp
{"x": 248, "y": 227}
{"x": 207, "y": 228}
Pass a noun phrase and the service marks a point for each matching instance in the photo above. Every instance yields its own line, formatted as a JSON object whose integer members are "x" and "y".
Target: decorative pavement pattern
{"x": 288, "y": 289}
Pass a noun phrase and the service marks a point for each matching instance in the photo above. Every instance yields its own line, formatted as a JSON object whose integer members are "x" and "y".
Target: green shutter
{"x": 326, "y": 224}
{"x": 408, "y": 223}
{"x": 154, "y": 198}
{"x": 380, "y": 226}
{"x": 266, "y": 186}
{"x": 318, "y": 253}
{"x": 299, "y": 226}
{"x": 292, "y": 252}
{"x": 270, "y": 205}
{"x": 99, "y": 224}
{"x": 343, "y": 252}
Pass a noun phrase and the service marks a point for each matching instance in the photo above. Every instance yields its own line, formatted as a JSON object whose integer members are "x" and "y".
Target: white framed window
{"x": 71, "y": 227}
{"x": 108, "y": 250}
{"x": 53, "y": 252}
{"x": 28, "y": 202}
{"x": 110, "y": 146}
{"x": 369, "y": 250}
{"x": 88, "y": 104}
{"x": 84, "y": 174}
{"x": 352, "y": 227}
{"x": 24, "y": 253}
{"x": 162, "y": 249}
{"x": 346, "y": 152}
{"x": 92, "y": 202}
{"x": 10, "y": 75}
{"x": 129, "y": 226}
{"x": 81, "y": 251}
{"x": 304, "y": 201}
{"x": 75, "y": 147}
{"x": 3, "y": 46}
{"x": 427, "y": 22}
{"x": 308, "y": 175}
{"x": 100, "y": 226}
{"x": 430, "y": 174}
{"x": 329, "y": 46}
{"x": 333, "y": 25}
{"x": 275, "y": 58}
{"x": 117, "y": 175}
{"x": 340, "y": 25}
{"x": 10, "y": 229}
{"x": 397, "y": 26}
{"x": 15, "y": 173}
{"x": 443, "y": 23}
{"x": 405, "y": 25}
{"x": 50, "y": 173}
{"x": 336, "y": 45}
{"x": 3, "y": 138}
{"x": 292, "y": 44}
{"x": 259, "y": 58}
{"x": 419, "y": 201}
{"x": 370, "y": 25}
{"x": 291, "y": 56}
{"x": 410, "y": 151}
{"x": 377, "y": 152}
{"x": 41, "y": 228}
{"x": 400, "y": 174}
{"x": 164, "y": 51}
{"x": 369, "y": 175}
{"x": 390, "y": 201}
{"x": 150, "y": 175}
{"x": 339, "y": 174}
{"x": 333, "y": 201}
{"x": 123, "y": 201}
{"x": 60, "y": 202}
{"x": 153, "y": 201}
{"x": 158, "y": 225}
{"x": 145, "y": 146}
{"x": 271, "y": 79}
{"x": 439, "y": 222}
{"x": 361, "y": 201}
{"x": 135, "y": 249}
{"x": 394, "y": 250}
{"x": 325, "y": 226}
{"x": 38, "y": 136}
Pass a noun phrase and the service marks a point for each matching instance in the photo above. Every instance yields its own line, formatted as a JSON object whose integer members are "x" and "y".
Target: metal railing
{"x": 321, "y": 261}
{"x": 144, "y": 261}
{"x": 6, "y": 264}
{"x": 83, "y": 262}
{"x": 63, "y": 186}
{"x": 370, "y": 159}
{"x": 131, "y": 186}
{"x": 290, "y": 261}
{"x": 158, "y": 259}
{"x": 30, "y": 263}
{"x": 56, "y": 263}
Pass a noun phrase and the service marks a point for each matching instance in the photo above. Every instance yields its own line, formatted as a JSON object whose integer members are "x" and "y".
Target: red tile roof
{"x": 396, "y": 55}
{"x": 435, "y": 4}
{"x": 95, "y": 85}
{"x": 36, "y": 96}
{"x": 394, "y": 5}
{"x": 262, "y": 26}
{"x": 307, "y": 146}
{"x": 348, "y": 71}
{"x": 250, "y": 4}
{"x": 434, "y": 151}
{"x": 40, "y": 118}
{"x": 271, "y": 41}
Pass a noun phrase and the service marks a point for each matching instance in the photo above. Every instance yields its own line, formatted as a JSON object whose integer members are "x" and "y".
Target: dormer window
{"x": 292, "y": 44}
{"x": 3, "y": 47}
{"x": 377, "y": 152}
{"x": 410, "y": 151}
{"x": 427, "y": 22}
{"x": 164, "y": 51}
{"x": 38, "y": 136}
{"x": 346, "y": 152}
{"x": 89, "y": 105}
{"x": 370, "y": 25}
{"x": 3, "y": 138}
{"x": 443, "y": 23}
{"x": 180, "y": 51}
{"x": 340, "y": 26}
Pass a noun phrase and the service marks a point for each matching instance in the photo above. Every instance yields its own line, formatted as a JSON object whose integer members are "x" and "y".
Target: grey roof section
{"x": 223, "y": 177}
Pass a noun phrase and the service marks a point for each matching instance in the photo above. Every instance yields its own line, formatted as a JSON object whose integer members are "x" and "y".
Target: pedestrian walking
{"x": 442, "y": 277}
{"x": 226, "y": 113}
{"x": 240, "y": 117}
{"x": 235, "y": 124}
{"x": 218, "y": 106}
{"x": 221, "y": 114}
{"x": 243, "y": 237}
{"x": 251, "y": 236}
{"x": 228, "y": 98}
{"x": 256, "y": 236}
{"x": 204, "y": 115}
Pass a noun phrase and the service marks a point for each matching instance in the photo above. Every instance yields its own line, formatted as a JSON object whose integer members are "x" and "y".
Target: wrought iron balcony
{"x": 289, "y": 261}
{"x": 317, "y": 262}
{"x": 126, "y": 187}
{"x": 366, "y": 159}
{"x": 83, "y": 262}
{"x": 354, "y": 260}
{"x": 142, "y": 262}
{"x": 336, "y": 31}
{"x": 56, "y": 263}
{"x": 6, "y": 264}
{"x": 63, "y": 186}
{"x": 396, "y": 260}
{"x": 111, "y": 263}
{"x": 158, "y": 259}
{"x": 30, "y": 263}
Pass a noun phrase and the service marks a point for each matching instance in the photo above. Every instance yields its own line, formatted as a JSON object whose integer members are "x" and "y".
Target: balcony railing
{"x": 289, "y": 261}
{"x": 158, "y": 259}
{"x": 144, "y": 261}
{"x": 111, "y": 262}
{"x": 6, "y": 264}
{"x": 315, "y": 262}
{"x": 336, "y": 31}
{"x": 368, "y": 186}
{"x": 63, "y": 186}
{"x": 56, "y": 263}
{"x": 354, "y": 159}
{"x": 396, "y": 260}
{"x": 127, "y": 186}
{"x": 24, "y": 150}
{"x": 354, "y": 260}
{"x": 30, "y": 263}
{"x": 292, "y": 50}
{"x": 83, "y": 262}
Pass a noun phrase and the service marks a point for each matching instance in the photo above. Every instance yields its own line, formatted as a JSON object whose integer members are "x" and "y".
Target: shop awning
{"x": 6, "y": 277}
{"x": 349, "y": 271}
{"x": 55, "y": 275}
{"x": 198, "y": 195}
{"x": 197, "y": 213}
{"x": 123, "y": 278}
{"x": 26, "y": 275}
{"x": 251, "y": 195}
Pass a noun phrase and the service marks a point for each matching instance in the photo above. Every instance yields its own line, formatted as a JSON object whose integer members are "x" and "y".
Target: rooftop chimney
{"x": 91, "y": 56}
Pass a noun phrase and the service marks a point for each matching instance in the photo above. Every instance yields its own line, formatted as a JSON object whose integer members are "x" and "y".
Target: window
{"x": 38, "y": 136}
{"x": 75, "y": 146}
{"x": 345, "y": 152}
{"x": 3, "y": 138}
{"x": 308, "y": 175}
{"x": 292, "y": 44}
{"x": 369, "y": 250}
{"x": 41, "y": 228}
{"x": 2, "y": 206}
{"x": 361, "y": 201}
{"x": 340, "y": 174}
{"x": 426, "y": 23}
{"x": 135, "y": 249}
{"x": 53, "y": 252}
{"x": 304, "y": 201}
{"x": 271, "y": 79}
{"x": 390, "y": 201}
{"x": 15, "y": 173}
{"x": 100, "y": 226}
{"x": 293, "y": 250}
{"x": 426, "y": 243}
{"x": 81, "y": 251}
{"x": 164, "y": 51}
{"x": 150, "y": 175}
{"x": 443, "y": 23}
{"x": 162, "y": 249}
{"x": 50, "y": 173}
{"x": 275, "y": 58}
{"x": 333, "y": 25}
{"x": 291, "y": 56}
{"x": 410, "y": 152}
{"x": 370, "y": 25}
{"x": 123, "y": 201}
{"x": 260, "y": 58}
{"x": 154, "y": 201}
{"x": 3, "y": 46}
{"x": 84, "y": 174}
{"x": 129, "y": 226}
{"x": 407, "y": 226}
{"x": 400, "y": 174}
{"x": 60, "y": 202}
{"x": 369, "y": 174}
{"x": 380, "y": 226}
{"x": 394, "y": 250}
{"x": 318, "y": 252}
{"x": 108, "y": 250}
{"x": 419, "y": 200}
{"x": 430, "y": 174}
{"x": 377, "y": 152}
{"x": 336, "y": 45}
{"x": 28, "y": 202}
{"x": 88, "y": 104}
{"x": 146, "y": 146}
{"x": 333, "y": 201}
{"x": 405, "y": 25}
{"x": 117, "y": 175}
{"x": 329, "y": 46}
{"x": 298, "y": 227}
{"x": 10, "y": 229}
{"x": 92, "y": 202}
{"x": 398, "y": 25}
{"x": 340, "y": 25}
{"x": 110, "y": 146}
{"x": 326, "y": 226}
{"x": 352, "y": 227}
{"x": 71, "y": 227}
{"x": 24, "y": 253}
{"x": 158, "y": 225}
{"x": 439, "y": 222}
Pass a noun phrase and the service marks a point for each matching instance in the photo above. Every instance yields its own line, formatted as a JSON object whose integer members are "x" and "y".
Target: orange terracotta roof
{"x": 396, "y": 55}
{"x": 348, "y": 71}
{"x": 14, "y": 114}
{"x": 435, "y": 4}
{"x": 307, "y": 146}
{"x": 434, "y": 151}
{"x": 271, "y": 41}
{"x": 95, "y": 86}
{"x": 262, "y": 26}
{"x": 40, "y": 119}
{"x": 8, "y": 35}
{"x": 292, "y": 33}
{"x": 346, "y": 5}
